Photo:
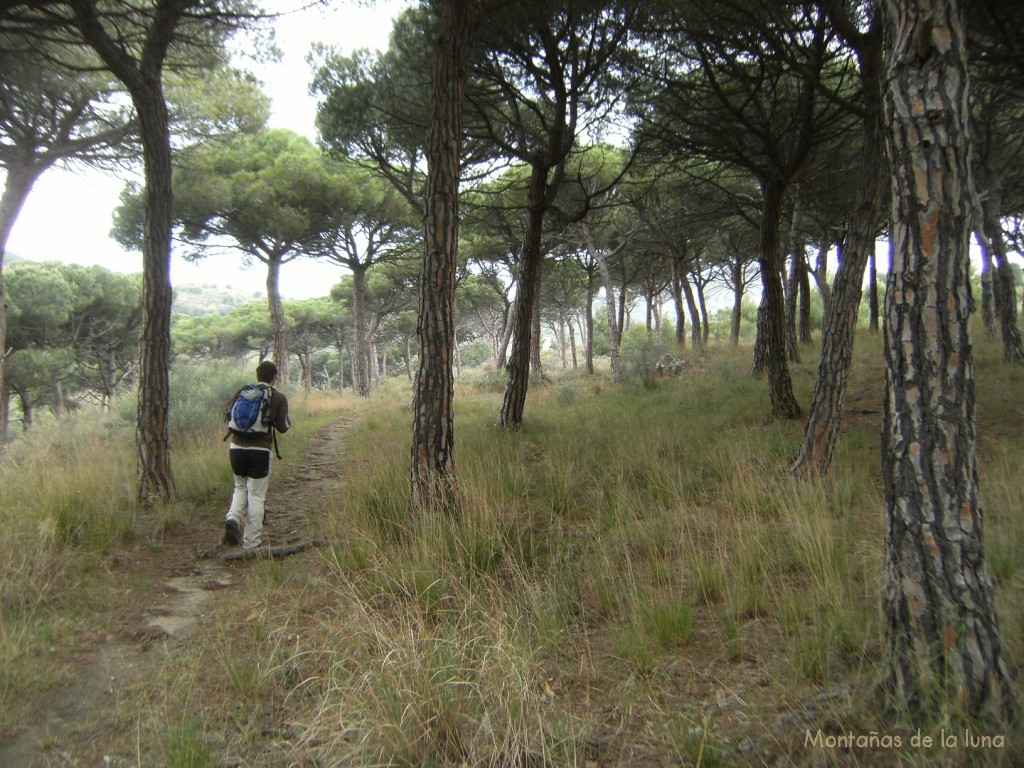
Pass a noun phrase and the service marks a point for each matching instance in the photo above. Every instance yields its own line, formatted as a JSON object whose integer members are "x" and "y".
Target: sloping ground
{"x": 161, "y": 595}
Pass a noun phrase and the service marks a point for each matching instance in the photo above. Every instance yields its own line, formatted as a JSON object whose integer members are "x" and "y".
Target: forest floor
{"x": 162, "y": 594}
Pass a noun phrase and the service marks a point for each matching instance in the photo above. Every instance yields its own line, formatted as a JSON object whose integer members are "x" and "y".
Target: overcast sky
{"x": 67, "y": 217}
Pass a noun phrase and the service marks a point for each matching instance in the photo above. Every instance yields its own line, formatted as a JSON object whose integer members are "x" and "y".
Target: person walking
{"x": 255, "y": 414}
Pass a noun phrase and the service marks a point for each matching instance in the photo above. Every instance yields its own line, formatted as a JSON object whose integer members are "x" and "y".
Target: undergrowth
{"x": 632, "y": 576}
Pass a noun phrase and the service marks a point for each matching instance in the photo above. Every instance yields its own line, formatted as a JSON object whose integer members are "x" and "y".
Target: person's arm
{"x": 279, "y": 412}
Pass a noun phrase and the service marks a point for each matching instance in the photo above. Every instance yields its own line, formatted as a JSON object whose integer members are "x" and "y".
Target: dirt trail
{"x": 190, "y": 574}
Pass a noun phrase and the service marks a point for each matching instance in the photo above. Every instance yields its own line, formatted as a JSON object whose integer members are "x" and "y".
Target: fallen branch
{"x": 274, "y": 552}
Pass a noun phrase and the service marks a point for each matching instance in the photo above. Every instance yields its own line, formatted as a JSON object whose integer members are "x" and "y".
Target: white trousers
{"x": 248, "y": 503}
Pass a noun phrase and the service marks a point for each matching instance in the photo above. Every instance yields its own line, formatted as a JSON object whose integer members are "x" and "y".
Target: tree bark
{"x": 609, "y": 297}
{"x": 697, "y": 338}
{"x": 360, "y": 374}
{"x": 536, "y": 364}
{"x": 278, "y": 322}
{"x": 676, "y": 287}
{"x": 572, "y": 345}
{"x": 943, "y": 641}
{"x": 988, "y": 309}
{"x": 780, "y": 385}
{"x": 840, "y": 323}
{"x": 873, "y": 311}
{"x": 805, "y": 304}
{"x": 589, "y": 322}
{"x": 796, "y": 265}
{"x": 432, "y": 473}
{"x": 820, "y": 273}
{"x": 143, "y": 78}
{"x": 1003, "y": 294}
{"x": 155, "y": 480}
{"x": 514, "y": 403}
{"x": 501, "y": 358}
{"x": 737, "y": 300}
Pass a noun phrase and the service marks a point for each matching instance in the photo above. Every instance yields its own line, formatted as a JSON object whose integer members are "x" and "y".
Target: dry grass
{"x": 634, "y": 579}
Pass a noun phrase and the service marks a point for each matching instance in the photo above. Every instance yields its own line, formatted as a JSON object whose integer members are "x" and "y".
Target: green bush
{"x": 639, "y": 355}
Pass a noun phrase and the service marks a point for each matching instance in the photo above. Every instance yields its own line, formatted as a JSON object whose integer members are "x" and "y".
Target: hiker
{"x": 255, "y": 414}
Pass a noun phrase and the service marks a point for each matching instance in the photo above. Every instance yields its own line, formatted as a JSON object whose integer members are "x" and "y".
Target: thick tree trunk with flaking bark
{"x": 144, "y": 80}
{"x": 943, "y": 640}
{"x": 773, "y": 305}
{"x": 432, "y": 470}
{"x": 840, "y": 322}
{"x": 155, "y": 480}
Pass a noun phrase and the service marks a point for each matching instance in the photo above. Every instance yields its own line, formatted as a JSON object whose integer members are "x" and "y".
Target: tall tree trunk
{"x": 5, "y": 411}
{"x": 988, "y": 308}
{"x": 943, "y": 641}
{"x": 623, "y": 321}
{"x": 361, "y": 373}
{"x": 676, "y": 287}
{"x": 341, "y": 368}
{"x": 705, "y": 317}
{"x": 780, "y": 385}
{"x": 536, "y": 364}
{"x": 432, "y": 472}
{"x": 805, "y": 304}
{"x": 514, "y": 402}
{"x": 820, "y": 273}
{"x": 697, "y": 338}
{"x": 840, "y": 323}
{"x": 501, "y": 358}
{"x": 796, "y": 266}
{"x": 143, "y": 78}
{"x": 305, "y": 360}
{"x": 278, "y": 322}
{"x": 609, "y": 298}
{"x": 59, "y": 406}
{"x": 589, "y": 323}
{"x": 737, "y": 301}
{"x": 26, "y": 411}
{"x": 873, "y": 311}
{"x": 1003, "y": 293}
{"x": 155, "y": 480}
{"x": 572, "y": 345}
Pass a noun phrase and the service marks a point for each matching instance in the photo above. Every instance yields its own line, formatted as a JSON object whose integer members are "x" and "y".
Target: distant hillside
{"x": 197, "y": 300}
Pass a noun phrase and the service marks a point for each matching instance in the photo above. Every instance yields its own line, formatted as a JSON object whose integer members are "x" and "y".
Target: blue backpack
{"x": 250, "y": 411}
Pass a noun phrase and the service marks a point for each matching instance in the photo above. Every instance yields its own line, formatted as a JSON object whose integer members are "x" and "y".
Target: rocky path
{"x": 191, "y": 575}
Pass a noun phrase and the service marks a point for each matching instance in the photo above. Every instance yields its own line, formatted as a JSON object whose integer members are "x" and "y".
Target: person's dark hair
{"x": 266, "y": 371}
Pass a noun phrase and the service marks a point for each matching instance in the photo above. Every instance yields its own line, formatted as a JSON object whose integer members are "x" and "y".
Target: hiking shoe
{"x": 232, "y": 533}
